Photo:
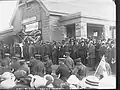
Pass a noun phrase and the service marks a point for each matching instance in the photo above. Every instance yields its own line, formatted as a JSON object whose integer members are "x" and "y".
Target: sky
{"x": 98, "y": 8}
{"x": 7, "y": 9}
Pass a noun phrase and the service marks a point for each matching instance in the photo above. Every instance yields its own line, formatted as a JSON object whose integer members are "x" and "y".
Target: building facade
{"x": 34, "y": 22}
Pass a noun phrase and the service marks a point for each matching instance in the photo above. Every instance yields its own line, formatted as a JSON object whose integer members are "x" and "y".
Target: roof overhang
{"x": 58, "y": 13}
{"x": 70, "y": 17}
{"x": 8, "y": 32}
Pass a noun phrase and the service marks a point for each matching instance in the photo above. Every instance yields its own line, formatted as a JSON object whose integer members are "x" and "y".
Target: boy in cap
{"x": 62, "y": 70}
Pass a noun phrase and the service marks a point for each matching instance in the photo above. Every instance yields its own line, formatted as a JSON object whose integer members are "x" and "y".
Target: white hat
{"x": 7, "y": 84}
{"x": 90, "y": 82}
{"x": 9, "y": 80}
{"x": 49, "y": 77}
{"x": 73, "y": 80}
{"x": 108, "y": 82}
{"x": 37, "y": 81}
{"x": 8, "y": 75}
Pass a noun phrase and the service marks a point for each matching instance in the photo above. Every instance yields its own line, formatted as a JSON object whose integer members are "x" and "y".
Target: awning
{"x": 7, "y": 33}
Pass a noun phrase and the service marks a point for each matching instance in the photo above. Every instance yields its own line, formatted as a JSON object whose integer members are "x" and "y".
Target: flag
{"x": 101, "y": 69}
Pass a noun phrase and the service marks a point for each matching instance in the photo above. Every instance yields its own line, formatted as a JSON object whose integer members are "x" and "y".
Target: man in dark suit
{"x": 69, "y": 61}
{"x": 17, "y": 49}
{"x": 37, "y": 67}
{"x": 80, "y": 70}
{"x": 48, "y": 65}
{"x": 62, "y": 70}
{"x": 49, "y": 49}
{"x": 82, "y": 52}
{"x": 15, "y": 65}
{"x": 54, "y": 53}
{"x": 6, "y": 61}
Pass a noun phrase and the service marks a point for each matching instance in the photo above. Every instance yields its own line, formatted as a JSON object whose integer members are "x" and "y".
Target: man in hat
{"x": 113, "y": 55}
{"x": 82, "y": 52}
{"x": 54, "y": 53}
{"x": 7, "y": 57}
{"x": 37, "y": 67}
{"x": 17, "y": 49}
{"x": 48, "y": 65}
{"x": 24, "y": 66}
{"x": 80, "y": 69}
{"x": 69, "y": 61}
{"x": 6, "y": 61}
{"x": 38, "y": 57}
{"x": 15, "y": 64}
{"x": 91, "y": 55}
{"x": 17, "y": 56}
{"x": 63, "y": 70}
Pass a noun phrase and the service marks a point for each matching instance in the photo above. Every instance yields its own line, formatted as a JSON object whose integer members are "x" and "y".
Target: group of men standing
{"x": 71, "y": 56}
{"x": 89, "y": 50}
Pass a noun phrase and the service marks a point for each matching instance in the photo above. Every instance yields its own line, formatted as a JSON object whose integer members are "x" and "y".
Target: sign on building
{"x": 30, "y": 27}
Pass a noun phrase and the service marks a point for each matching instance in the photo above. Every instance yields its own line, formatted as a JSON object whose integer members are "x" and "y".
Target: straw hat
{"x": 90, "y": 82}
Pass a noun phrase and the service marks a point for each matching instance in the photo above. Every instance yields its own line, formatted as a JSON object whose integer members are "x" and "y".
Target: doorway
{"x": 70, "y": 30}
{"x": 95, "y": 30}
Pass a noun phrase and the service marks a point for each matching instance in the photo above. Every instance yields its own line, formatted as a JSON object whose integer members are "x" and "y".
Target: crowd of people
{"x": 33, "y": 62}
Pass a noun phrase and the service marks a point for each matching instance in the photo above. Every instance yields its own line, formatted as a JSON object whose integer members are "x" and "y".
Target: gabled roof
{"x": 22, "y": 2}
